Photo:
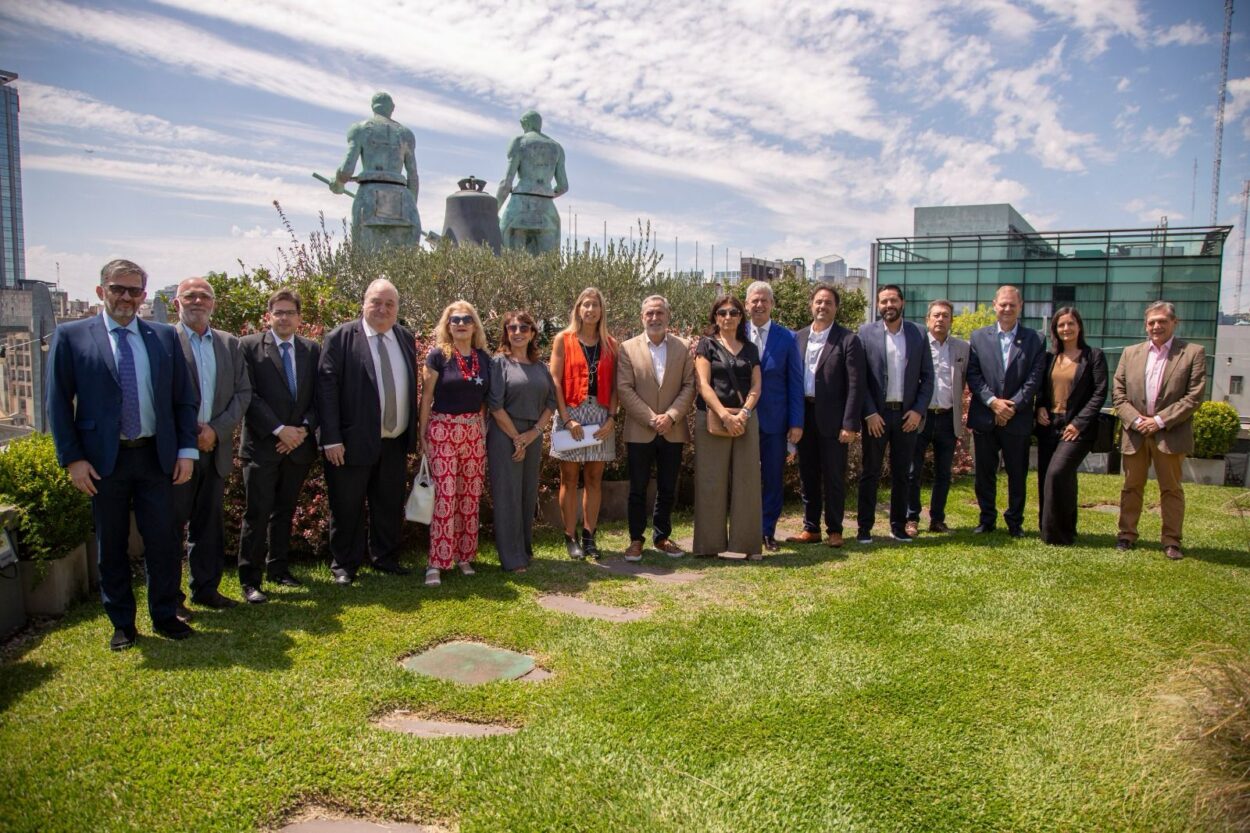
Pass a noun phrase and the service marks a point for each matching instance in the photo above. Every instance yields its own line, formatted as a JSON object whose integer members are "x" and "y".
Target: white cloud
{"x": 1123, "y": 85}
{"x": 1098, "y": 22}
{"x": 1188, "y": 33}
{"x": 1151, "y": 210}
{"x": 55, "y": 107}
{"x": 1168, "y": 141}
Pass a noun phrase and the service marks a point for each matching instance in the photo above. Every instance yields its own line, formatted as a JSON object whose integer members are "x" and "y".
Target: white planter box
{"x": 1206, "y": 472}
{"x": 64, "y": 581}
{"x": 1095, "y": 463}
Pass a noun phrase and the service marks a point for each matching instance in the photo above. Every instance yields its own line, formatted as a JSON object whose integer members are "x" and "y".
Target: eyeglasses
{"x": 283, "y": 313}
{"x": 119, "y": 290}
{"x": 460, "y": 319}
{"x": 518, "y": 328}
{"x": 195, "y": 296}
{"x": 728, "y": 312}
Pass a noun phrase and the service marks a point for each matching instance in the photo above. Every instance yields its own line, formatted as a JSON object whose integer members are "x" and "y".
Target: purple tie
{"x": 131, "y": 423}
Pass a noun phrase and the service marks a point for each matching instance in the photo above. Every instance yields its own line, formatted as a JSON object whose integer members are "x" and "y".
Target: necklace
{"x": 468, "y": 370}
{"x": 592, "y": 357}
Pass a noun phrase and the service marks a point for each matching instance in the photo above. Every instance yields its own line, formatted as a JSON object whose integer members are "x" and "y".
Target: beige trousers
{"x": 727, "y": 488}
{"x": 1171, "y": 493}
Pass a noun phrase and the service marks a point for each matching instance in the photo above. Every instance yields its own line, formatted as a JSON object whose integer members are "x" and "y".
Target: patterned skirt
{"x": 590, "y": 412}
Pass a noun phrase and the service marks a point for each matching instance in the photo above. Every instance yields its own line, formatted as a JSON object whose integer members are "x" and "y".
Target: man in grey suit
{"x": 944, "y": 424}
{"x": 220, "y": 378}
{"x": 896, "y": 397}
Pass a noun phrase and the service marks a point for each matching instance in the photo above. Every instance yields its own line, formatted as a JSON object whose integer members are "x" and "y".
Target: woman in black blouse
{"x": 726, "y": 436}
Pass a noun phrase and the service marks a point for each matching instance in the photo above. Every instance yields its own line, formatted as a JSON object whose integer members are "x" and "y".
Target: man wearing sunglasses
{"x": 123, "y": 411}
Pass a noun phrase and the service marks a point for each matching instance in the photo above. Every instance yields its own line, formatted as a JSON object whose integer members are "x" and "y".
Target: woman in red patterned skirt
{"x": 455, "y": 381}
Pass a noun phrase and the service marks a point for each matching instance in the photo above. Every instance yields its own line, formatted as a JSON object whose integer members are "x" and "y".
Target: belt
{"x": 810, "y": 400}
{"x": 894, "y": 406}
{"x": 939, "y": 411}
{"x": 138, "y": 442}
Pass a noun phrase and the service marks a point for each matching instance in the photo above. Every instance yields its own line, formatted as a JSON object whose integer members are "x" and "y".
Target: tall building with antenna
{"x": 12, "y": 236}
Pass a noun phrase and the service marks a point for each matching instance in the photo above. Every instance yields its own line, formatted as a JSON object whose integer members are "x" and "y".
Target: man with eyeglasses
{"x": 221, "y": 382}
{"x": 279, "y": 442}
{"x": 123, "y": 410}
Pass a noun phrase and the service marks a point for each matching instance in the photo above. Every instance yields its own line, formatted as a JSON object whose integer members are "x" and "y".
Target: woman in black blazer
{"x": 1073, "y": 391}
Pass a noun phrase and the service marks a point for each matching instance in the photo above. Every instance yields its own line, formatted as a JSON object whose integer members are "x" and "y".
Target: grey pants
{"x": 727, "y": 487}
{"x": 514, "y": 494}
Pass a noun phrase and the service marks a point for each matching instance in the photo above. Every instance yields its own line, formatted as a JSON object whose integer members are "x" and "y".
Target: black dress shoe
{"x": 771, "y": 545}
{"x": 343, "y": 579}
{"x": 173, "y": 629}
{"x": 1123, "y": 545}
{"x": 589, "y": 548}
{"x": 253, "y": 595}
{"x": 982, "y": 529}
{"x": 1015, "y": 532}
{"x": 573, "y": 548}
{"x": 390, "y": 569}
{"x": 123, "y": 638}
{"x": 183, "y": 613}
{"x": 216, "y": 601}
{"x": 286, "y": 580}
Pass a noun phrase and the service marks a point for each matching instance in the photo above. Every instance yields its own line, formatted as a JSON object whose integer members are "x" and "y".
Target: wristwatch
{"x": 746, "y": 411}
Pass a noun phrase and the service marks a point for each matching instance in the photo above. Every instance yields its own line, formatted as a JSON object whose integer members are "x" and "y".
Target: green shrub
{"x": 1215, "y": 429}
{"x": 963, "y": 324}
{"x": 54, "y": 516}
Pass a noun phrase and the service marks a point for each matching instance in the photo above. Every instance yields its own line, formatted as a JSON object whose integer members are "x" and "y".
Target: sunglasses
{"x": 729, "y": 312}
{"x": 518, "y": 328}
{"x": 119, "y": 290}
{"x": 460, "y": 319}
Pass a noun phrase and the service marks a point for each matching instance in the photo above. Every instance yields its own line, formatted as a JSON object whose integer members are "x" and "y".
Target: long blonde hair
{"x": 575, "y": 326}
{"x": 442, "y": 330}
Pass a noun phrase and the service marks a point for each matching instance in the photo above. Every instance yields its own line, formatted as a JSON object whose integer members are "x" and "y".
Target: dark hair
{"x": 892, "y": 286}
{"x": 1055, "y": 341}
{"x": 284, "y": 294}
{"x": 117, "y": 268}
{"x": 825, "y": 287}
{"x": 732, "y": 300}
{"x": 519, "y": 315}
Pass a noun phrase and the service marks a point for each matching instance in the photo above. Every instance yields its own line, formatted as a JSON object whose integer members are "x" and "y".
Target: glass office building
{"x": 12, "y": 237}
{"x": 1109, "y": 276}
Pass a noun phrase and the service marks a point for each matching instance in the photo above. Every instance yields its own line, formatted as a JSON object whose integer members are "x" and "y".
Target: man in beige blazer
{"x": 1158, "y": 385}
{"x": 655, "y": 383}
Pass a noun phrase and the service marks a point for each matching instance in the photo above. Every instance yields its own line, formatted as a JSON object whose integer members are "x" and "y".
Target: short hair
{"x": 651, "y": 298}
{"x": 1009, "y": 288}
{"x": 732, "y": 300}
{"x": 1166, "y": 306}
{"x": 761, "y": 286}
{"x": 520, "y": 315}
{"x": 891, "y": 286}
{"x": 212, "y": 292}
{"x": 825, "y": 287}
{"x": 1056, "y": 343}
{"x": 117, "y": 268}
{"x": 285, "y": 293}
{"x": 442, "y": 330}
{"x": 940, "y": 302}
{"x": 376, "y": 282}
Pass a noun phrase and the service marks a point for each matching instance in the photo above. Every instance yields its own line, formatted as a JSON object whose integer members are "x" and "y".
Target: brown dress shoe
{"x": 666, "y": 546}
{"x": 834, "y": 540}
{"x": 1173, "y": 553}
{"x": 634, "y": 551}
{"x": 912, "y": 528}
{"x": 804, "y": 537}
{"x": 938, "y": 526}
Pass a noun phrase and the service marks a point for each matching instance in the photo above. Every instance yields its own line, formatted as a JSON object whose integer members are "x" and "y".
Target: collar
{"x": 942, "y": 345}
{"x": 653, "y": 346}
{"x": 763, "y": 328}
{"x": 370, "y": 332}
{"x": 280, "y": 341}
{"x": 208, "y": 334}
{"x": 1164, "y": 350}
{"x": 1012, "y": 332}
{"x": 110, "y": 324}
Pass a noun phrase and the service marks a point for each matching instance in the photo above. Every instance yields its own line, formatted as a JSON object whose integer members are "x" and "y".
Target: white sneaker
{"x": 432, "y": 577}
{"x": 467, "y": 569}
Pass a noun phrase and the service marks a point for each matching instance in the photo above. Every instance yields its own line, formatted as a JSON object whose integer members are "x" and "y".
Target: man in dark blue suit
{"x": 780, "y": 408}
{"x": 900, "y": 385}
{"x": 1005, "y": 365}
{"x": 123, "y": 413}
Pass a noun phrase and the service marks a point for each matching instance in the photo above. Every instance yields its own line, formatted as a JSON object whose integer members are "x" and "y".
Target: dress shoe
{"x": 1173, "y": 553}
{"x": 183, "y": 613}
{"x": 834, "y": 540}
{"x": 666, "y": 546}
{"x": 863, "y": 538}
{"x": 771, "y": 545}
{"x": 900, "y": 534}
{"x": 982, "y": 529}
{"x": 286, "y": 580}
{"x": 343, "y": 579}
{"x": 634, "y": 551}
{"x": 1015, "y": 532}
{"x": 589, "y": 548}
{"x": 253, "y": 595}
{"x": 912, "y": 528}
{"x": 807, "y": 536}
{"x": 938, "y": 526}
{"x": 123, "y": 638}
{"x": 1123, "y": 545}
{"x": 573, "y": 548}
{"x": 390, "y": 568}
{"x": 173, "y": 629}
{"x": 215, "y": 600}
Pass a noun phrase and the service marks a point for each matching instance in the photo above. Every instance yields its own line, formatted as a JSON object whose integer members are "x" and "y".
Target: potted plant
{"x": 51, "y": 524}
{"x": 1215, "y": 430}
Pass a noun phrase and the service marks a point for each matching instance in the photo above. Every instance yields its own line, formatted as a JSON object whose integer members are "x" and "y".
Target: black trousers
{"x": 902, "y": 446}
{"x": 822, "y": 469}
{"x": 197, "y": 509}
{"x": 383, "y": 486}
{"x": 938, "y": 431}
{"x": 640, "y": 457}
{"x": 1057, "y": 464}
{"x": 137, "y": 480}
{"x": 272, "y": 489}
{"x": 1014, "y": 449}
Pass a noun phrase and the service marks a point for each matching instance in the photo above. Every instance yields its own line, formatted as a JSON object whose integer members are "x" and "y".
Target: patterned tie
{"x": 131, "y": 422}
{"x": 390, "y": 415}
{"x": 288, "y": 364}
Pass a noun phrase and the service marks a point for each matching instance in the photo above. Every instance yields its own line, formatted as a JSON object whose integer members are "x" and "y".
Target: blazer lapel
{"x": 274, "y": 354}
{"x": 364, "y": 354}
{"x": 1081, "y": 364}
{"x": 827, "y": 349}
{"x": 155, "y": 355}
{"x": 104, "y": 343}
{"x": 305, "y": 372}
{"x": 672, "y": 358}
{"x": 185, "y": 341}
{"x": 1174, "y": 358}
{"x": 225, "y": 373}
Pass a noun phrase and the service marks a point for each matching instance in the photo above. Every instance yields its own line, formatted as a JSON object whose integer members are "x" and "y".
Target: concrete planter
{"x": 1096, "y": 464}
{"x": 614, "y": 505}
{"x": 1206, "y": 472}
{"x": 64, "y": 581}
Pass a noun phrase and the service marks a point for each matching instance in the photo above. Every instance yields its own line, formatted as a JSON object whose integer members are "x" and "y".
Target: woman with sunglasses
{"x": 521, "y": 401}
{"x": 455, "y": 384}
{"x": 726, "y": 437}
{"x": 583, "y": 361}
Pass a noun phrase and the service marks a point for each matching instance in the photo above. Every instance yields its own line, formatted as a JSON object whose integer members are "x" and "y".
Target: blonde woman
{"x": 583, "y": 364}
{"x": 455, "y": 384}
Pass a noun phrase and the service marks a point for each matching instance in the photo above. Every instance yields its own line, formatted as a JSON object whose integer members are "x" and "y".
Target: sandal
{"x": 467, "y": 569}
{"x": 432, "y": 577}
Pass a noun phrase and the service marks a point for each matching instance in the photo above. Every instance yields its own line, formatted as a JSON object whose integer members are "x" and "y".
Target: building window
{"x": 1235, "y": 385}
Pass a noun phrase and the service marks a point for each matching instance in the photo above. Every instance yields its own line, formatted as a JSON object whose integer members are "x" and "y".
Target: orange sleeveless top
{"x": 576, "y": 381}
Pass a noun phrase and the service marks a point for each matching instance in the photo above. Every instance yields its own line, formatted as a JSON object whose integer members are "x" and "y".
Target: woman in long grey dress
{"x": 521, "y": 400}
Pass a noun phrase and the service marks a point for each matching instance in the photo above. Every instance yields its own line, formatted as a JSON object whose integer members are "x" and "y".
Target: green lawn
{"x": 960, "y": 683}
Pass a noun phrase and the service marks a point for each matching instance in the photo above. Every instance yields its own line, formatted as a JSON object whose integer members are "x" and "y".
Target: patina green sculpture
{"x": 384, "y": 211}
{"x": 530, "y": 219}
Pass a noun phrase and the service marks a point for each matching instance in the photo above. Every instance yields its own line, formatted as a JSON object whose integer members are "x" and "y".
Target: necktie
{"x": 390, "y": 416}
{"x": 759, "y": 341}
{"x": 288, "y": 364}
{"x": 131, "y": 423}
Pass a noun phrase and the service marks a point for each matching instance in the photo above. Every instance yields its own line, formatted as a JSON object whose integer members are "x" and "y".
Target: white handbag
{"x": 562, "y": 440}
{"x": 420, "y": 506}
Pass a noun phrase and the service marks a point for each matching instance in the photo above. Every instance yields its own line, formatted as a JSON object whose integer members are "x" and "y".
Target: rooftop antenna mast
{"x": 1219, "y": 113}
{"x": 1241, "y": 250}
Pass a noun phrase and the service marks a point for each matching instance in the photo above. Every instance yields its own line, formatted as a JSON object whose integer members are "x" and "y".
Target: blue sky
{"x": 163, "y": 131}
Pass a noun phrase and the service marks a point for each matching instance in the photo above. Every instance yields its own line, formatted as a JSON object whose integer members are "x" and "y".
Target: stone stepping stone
{"x": 589, "y": 610}
{"x": 1106, "y": 508}
{"x": 325, "y": 825}
{"x": 423, "y": 727}
{"x": 536, "y": 676}
{"x": 651, "y": 572}
{"x": 470, "y": 663}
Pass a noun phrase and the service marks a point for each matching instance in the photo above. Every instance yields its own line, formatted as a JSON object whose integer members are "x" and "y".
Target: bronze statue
{"x": 530, "y": 220}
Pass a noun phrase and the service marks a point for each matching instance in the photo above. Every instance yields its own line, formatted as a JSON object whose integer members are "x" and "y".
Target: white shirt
{"x": 278, "y": 342}
{"x": 759, "y": 337}
{"x": 399, "y": 372}
{"x": 815, "y": 343}
{"x": 659, "y": 358}
{"x": 895, "y": 364}
{"x": 943, "y": 373}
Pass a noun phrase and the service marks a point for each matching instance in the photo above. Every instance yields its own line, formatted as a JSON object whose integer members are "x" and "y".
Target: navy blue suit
{"x": 780, "y": 408}
{"x": 1020, "y": 381}
{"x": 84, "y": 411}
{"x": 917, "y": 390}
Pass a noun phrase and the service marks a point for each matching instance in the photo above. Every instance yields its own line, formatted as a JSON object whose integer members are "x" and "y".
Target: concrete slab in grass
{"x": 329, "y": 825}
{"x": 470, "y": 663}
{"x": 589, "y": 610}
{"x": 651, "y": 572}
{"x": 423, "y": 727}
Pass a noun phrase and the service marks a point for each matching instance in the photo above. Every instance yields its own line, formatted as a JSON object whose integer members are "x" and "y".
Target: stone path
{"x": 332, "y": 825}
{"x": 589, "y": 610}
{"x": 652, "y": 572}
{"x": 472, "y": 663}
{"x": 422, "y": 727}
